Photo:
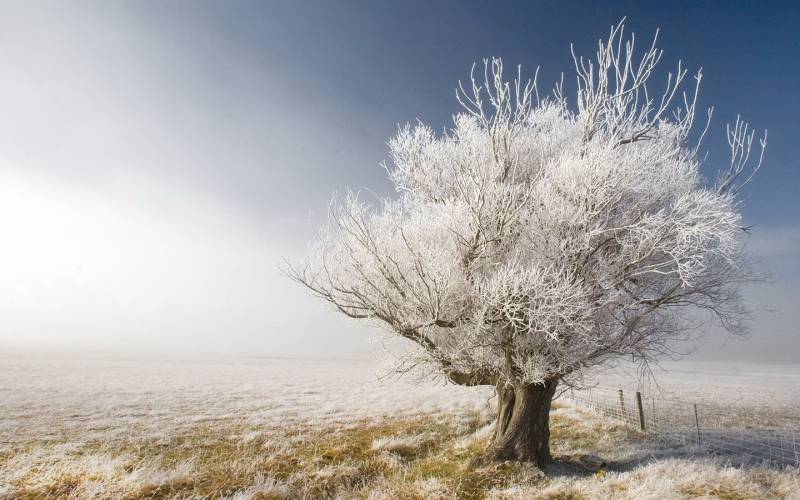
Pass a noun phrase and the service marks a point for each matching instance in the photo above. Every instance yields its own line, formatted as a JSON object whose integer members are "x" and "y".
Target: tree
{"x": 535, "y": 240}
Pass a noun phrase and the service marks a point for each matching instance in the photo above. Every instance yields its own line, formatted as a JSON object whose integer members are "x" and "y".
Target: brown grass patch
{"x": 428, "y": 456}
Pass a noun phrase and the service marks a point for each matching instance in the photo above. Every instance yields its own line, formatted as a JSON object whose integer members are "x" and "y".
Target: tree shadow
{"x": 739, "y": 448}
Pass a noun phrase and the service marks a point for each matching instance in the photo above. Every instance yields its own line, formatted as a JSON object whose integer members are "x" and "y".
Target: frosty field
{"x": 92, "y": 426}
{"x": 742, "y": 394}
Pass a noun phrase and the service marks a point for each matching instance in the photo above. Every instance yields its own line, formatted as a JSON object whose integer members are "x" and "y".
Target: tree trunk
{"x": 522, "y": 429}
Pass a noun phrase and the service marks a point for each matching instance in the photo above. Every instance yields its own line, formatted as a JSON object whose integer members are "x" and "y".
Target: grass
{"x": 286, "y": 429}
{"x": 427, "y": 456}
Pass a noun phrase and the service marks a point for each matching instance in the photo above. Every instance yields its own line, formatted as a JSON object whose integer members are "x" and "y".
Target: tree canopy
{"x": 540, "y": 236}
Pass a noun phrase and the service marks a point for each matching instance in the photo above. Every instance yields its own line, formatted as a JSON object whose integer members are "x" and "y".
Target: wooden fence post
{"x": 641, "y": 412}
{"x": 697, "y": 424}
{"x": 622, "y": 406}
{"x": 654, "y": 425}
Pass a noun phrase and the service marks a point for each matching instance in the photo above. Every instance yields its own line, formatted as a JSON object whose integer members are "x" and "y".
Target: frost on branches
{"x": 540, "y": 237}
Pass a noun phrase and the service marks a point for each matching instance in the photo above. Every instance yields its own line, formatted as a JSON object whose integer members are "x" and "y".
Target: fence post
{"x": 653, "y": 416}
{"x": 697, "y": 424}
{"x": 641, "y": 412}
{"x": 622, "y": 406}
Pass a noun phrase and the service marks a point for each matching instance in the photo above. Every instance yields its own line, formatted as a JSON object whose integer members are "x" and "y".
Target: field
{"x": 92, "y": 426}
{"x": 748, "y": 394}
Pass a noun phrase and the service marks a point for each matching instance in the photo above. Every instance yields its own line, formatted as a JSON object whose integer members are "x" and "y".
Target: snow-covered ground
{"x": 44, "y": 396}
{"x": 93, "y": 396}
{"x": 93, "y": 425}
{"x": 744, "y": 394}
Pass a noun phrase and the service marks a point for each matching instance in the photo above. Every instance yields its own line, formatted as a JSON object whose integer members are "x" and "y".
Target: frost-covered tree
{"x": 538, "y": 237}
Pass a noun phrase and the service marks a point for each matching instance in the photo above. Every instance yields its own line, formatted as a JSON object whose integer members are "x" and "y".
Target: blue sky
{"x": 158, "y": 158}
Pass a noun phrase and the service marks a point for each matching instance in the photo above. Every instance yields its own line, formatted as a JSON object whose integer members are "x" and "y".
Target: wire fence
{"x": 714, "y": 430}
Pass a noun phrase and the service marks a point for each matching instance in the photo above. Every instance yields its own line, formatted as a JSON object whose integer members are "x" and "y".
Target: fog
{"x": 157, "y": 163}
{"x": 148, "y": 194}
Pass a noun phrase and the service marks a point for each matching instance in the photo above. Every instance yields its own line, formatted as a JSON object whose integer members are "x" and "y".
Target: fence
{"x": 710, "y": 429}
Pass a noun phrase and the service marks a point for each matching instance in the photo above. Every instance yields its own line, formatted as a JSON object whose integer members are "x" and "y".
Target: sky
{"x": 158, "y": 160}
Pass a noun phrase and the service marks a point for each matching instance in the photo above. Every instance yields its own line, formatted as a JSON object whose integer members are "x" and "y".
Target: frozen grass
{"x": 311, "y": 429}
